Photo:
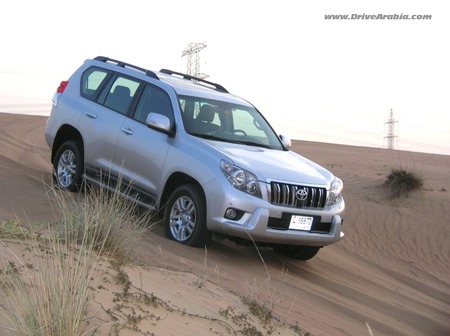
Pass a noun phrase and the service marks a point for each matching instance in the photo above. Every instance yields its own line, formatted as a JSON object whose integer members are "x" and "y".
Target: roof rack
{"x": 218, "y": 87}
{"x": 127, "y": 65}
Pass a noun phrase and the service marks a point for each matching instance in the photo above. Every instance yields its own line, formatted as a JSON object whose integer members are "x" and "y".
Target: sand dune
{"x": 391, "y": 272}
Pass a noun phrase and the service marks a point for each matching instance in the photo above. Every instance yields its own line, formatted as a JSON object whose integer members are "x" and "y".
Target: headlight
{"x": 335, "y": 192}
{"x": 241, "y": 179}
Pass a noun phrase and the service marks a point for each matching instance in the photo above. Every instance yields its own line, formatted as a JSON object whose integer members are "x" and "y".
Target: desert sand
{"x": 389, "y": 275}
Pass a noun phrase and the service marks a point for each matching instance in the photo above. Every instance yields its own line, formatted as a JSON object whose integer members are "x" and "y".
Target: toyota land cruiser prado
{"x": 208, "y": 160}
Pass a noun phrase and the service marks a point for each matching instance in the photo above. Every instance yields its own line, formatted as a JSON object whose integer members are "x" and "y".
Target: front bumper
{"x": 258, "y": 214}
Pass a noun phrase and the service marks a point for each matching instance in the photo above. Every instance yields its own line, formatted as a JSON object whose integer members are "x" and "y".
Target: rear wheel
{"x": 298, "y": 252}
{"x": 68, "y": 166}
{"x": 185, "y": 216}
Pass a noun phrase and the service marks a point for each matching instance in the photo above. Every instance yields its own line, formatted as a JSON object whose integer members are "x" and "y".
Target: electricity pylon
{"x": 193, "y": 59}
{"x": 391, "y": 131}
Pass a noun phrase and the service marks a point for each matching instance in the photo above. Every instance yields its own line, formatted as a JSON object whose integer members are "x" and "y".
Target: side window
{"x": 91, "y": 81}
{"x": 153, "y": 100}
{"x": 120, "y": 94}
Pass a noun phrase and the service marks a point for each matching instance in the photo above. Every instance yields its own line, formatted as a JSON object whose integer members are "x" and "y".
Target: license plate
{"x": 303, "y": 223}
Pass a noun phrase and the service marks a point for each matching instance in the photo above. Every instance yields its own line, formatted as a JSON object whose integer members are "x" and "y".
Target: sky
{"x": 314, "y": 79}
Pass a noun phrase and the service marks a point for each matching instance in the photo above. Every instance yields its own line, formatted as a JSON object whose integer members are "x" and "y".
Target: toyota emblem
{"x": 301, "y": 194}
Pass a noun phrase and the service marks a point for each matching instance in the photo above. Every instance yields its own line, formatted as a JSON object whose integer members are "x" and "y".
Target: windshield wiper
{"x": 235, "y": 141}
{"x": 251, "y": 143}
{"x": 207, "y": 136}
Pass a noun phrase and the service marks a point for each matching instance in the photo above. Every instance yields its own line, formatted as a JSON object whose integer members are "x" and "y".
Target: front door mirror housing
{"x": 286, "y": 141}
{"x": 159, "y": 122}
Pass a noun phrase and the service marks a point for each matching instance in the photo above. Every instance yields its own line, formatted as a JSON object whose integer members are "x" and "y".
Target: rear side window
{"x": 91, "y": 82}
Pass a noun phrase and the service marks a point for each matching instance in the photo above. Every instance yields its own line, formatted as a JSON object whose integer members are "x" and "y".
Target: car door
{"x": 102, "y": 123}
{"x": 141, "y": 151}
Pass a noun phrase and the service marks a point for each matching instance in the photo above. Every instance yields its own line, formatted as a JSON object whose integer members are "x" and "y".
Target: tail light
{"x": 62, "y": 86}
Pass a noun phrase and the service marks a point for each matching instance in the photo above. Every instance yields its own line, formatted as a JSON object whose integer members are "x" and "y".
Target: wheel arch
{"x": 173, "y": 182}
{"x": 65, "y": 133}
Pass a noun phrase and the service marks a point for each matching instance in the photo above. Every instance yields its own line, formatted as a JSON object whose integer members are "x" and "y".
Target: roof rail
{"x": 127, "y": 65}
{"x": 218, "y": 87}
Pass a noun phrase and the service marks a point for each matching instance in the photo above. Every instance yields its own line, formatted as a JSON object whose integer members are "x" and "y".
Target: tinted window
{"x": 120, "y": 94}
{"x": 153, "y": 100}
{"x": 91, "y": 82}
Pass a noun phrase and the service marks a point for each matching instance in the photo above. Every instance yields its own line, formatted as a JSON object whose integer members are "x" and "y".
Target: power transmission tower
{"x": 391, "y": 131}
{"x": 193, "y": 59}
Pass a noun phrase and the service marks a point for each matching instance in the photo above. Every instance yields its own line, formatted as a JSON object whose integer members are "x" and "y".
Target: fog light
{"x": 234, "y": 214}
{"x": 230, "y": 213}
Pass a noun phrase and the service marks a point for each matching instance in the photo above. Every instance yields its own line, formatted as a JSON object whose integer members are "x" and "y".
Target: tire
{"x": 185, "y": 216}
{"x": 68, "y": 166}
{"x": 298, "y": 252}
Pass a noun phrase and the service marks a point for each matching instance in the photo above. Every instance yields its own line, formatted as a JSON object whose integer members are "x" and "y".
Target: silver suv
{"x": 206, "y": 159}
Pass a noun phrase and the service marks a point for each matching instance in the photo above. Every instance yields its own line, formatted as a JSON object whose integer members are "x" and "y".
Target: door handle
{"x": 127, "y": 131}
{"x": 91, "y": 115}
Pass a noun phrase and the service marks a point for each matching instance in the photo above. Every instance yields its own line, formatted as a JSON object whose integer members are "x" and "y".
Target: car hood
{"x": 275, "y": 165}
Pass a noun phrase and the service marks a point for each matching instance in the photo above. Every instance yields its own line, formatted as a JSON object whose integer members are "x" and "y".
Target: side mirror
{"x": 159, "y": 122}
{"x": 285, "y": 140}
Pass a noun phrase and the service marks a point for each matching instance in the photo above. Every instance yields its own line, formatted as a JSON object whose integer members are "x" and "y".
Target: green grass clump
{"x": 11, "y": 228}
{"x": 401, "y": 182}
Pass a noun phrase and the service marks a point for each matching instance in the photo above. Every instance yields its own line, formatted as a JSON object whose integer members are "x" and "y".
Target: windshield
{"x": 225, "y": 121}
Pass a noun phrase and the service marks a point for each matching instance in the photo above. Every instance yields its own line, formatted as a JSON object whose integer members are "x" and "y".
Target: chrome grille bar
{"x": 297, "y": 196}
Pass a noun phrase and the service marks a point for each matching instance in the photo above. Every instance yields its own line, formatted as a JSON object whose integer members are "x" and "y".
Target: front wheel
{"x": 185, "y": 216}
{"x": 68, "y": 166}
{"x": 298, "y": 252}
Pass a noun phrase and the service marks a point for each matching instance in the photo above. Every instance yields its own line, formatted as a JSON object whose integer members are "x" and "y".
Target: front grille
{"x": 297, "y": 196}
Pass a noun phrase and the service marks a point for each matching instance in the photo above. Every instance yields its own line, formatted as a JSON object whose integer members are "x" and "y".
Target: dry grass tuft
{"x": 401, "y": 182}
{"x": 47, "y": 293}
{"x": 112, "y": 223}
